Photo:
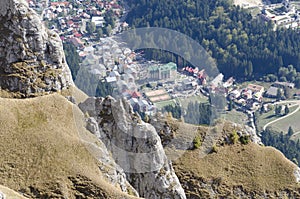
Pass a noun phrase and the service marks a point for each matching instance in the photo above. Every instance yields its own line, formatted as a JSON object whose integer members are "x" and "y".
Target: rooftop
{"x": 165, "y": 67}
{"x": 255, "y": 87}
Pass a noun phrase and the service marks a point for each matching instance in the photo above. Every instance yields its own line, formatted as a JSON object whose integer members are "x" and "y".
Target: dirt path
{"x": 297, "y": 133}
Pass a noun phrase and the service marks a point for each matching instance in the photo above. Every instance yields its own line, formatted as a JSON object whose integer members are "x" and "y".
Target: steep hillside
{"x": 221, "y": 167}
{"x": 42, "y": 153}
{"x": 238, "y": 171}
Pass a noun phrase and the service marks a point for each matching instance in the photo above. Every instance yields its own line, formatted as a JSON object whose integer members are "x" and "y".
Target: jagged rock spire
{"x": 32, "y": 61}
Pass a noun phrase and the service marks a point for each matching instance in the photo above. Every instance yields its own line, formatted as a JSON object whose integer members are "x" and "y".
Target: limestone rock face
{"x": 2, "y": 196}
{"x": 32, "y": 60}
{"x": 135, "y": 147}
{"x": 107, "y": 165}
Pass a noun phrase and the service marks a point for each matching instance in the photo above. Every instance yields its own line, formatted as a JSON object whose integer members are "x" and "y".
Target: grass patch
{"x": 235, "y": 116}
{"x": 293, "y": 121}
{"x": 185, "y": 101}
{"x": 265, "y": 118}
{"x": 162, "y": 104}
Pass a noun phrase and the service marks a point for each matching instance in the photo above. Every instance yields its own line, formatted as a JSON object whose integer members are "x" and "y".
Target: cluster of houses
{"x": 199, "y": 74}
{"x": 251, "y": 97}
{"x": 248, "y": 98}
{"x": 282, "y": 14}
{"x": 70, "y": 18}
{"x": 116, "y": 65}
{"x": 111, "y": 62}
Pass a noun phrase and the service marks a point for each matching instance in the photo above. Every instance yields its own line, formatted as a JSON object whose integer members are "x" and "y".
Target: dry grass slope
{"x": 41, "y": 153}
{"x": 253, "y": 168}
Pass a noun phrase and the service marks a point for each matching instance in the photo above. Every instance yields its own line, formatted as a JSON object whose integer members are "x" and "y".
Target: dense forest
{"x": 283, "y": 142}
{"x": 243, "y": 45}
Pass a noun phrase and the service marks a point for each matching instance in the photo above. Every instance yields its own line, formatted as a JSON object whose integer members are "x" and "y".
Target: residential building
{"x": 272, "y": 92}
{"x": 283, "y": 85}
{"x": 257, "y": 91}
{"x": 77, "y": 42}
{"x": 217, "y": 81}
{"x": 143, "y": 105}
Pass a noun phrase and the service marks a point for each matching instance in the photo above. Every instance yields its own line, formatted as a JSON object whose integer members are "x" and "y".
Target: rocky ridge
{"x": 32, "y": 61}
{"x": 135, "y": 146}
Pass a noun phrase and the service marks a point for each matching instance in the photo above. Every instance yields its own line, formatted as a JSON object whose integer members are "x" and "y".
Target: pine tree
{"x": 286, "y": 110}
{"x": 279, "y": 94}
{"x": 278, "y": 110}
{"x": 290, "y": 131}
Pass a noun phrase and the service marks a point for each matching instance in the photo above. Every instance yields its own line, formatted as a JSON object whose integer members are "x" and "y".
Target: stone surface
{"x": 32, "y": 60}
{"x": 2, "y": 196}
{"x": 135, "y": 147}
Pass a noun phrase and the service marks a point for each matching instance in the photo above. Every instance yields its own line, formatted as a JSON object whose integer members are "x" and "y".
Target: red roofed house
{"x": 56, "y": 4}
{"x": 136, "y": 94}
{"x": 77, "y": 42}
{"x": 70, "y": 23}
{"x": 78, "y": 35}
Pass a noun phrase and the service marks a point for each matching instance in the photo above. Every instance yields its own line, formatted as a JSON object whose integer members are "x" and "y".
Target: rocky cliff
{"x": 135, "y": 146}
{"x": 32, "y": 60}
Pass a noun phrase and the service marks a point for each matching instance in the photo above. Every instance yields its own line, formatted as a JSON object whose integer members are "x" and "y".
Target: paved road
{"x": 297, "y": 103}
{"x": 297, "y": 133}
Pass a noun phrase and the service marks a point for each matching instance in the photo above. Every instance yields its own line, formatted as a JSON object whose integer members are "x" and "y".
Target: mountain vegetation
{"x": 234, "y": 168}
{"x": 283, "y": 142}
{"x": 237, "y": 171}
{"x": 43, "y": 155}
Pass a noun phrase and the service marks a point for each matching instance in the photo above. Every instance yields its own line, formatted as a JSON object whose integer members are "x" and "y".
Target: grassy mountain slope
{"x": 41, "y": 153}
{"x": 251, "y": 169}
{"x": 235, "y": 170}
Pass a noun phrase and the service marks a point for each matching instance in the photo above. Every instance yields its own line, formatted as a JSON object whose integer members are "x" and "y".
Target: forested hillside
{"x": 244, "y": 46}
{"x": 283, "y": 142}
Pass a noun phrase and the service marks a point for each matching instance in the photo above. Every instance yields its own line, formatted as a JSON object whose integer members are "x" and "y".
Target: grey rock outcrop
{"x": 2, "y": 196}
{"x": 111, "y": 171}
{"x": 135, "y": 147}
{"x": 107, "y": 165}
{"x": 32, "y": 60}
